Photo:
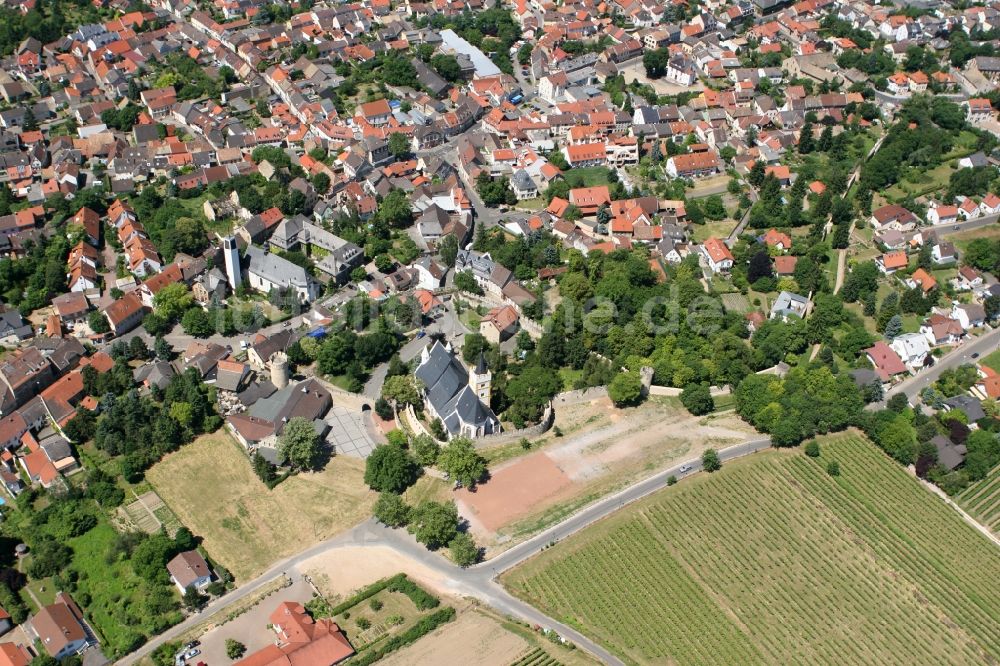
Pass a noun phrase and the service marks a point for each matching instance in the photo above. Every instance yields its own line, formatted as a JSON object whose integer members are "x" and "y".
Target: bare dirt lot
{"x": 473, "y": 635}
{"x": 602, "y": 448}
{"x": 211, "y": 487}
{"x": 514, "y": 489}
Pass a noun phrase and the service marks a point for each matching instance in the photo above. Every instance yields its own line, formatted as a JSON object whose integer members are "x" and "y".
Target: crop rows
{"x": 982, "y": 500}
{"x": 774, "y": 561}
{"x": 537, "y": 657}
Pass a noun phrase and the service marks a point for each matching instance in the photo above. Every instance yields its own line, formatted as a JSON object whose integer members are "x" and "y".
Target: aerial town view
{"x": 499, "y": 332}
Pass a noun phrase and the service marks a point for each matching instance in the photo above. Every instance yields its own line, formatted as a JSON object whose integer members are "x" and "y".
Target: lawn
{"x": 720, "y": 229}
{"x": 246, "y": 527}
{"x": 992, "y": 361}
{"x": 982, "y": 500}
{"x": 588, "y": 176}
{"x": 774, "y": 561}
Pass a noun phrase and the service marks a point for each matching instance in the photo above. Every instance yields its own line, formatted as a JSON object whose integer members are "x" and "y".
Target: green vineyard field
{"x": 774, "y": 561}
{"x": 982, "y": 501}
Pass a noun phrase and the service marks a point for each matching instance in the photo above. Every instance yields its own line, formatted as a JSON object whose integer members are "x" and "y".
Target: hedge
{"x": 397, "y": 583}
{"x": 421, "y": 598}
{"x": 423, "y": 626}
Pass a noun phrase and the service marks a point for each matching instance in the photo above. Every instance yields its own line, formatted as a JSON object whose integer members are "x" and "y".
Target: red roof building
{"x": 301, "y": 640}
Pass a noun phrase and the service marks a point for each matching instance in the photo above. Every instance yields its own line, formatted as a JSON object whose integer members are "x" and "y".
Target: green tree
{"x": 710, "y": 461}
{"x": 172, "y": 301}
{"x": 98, "y": 322}
{"x": 391, "y": 510}
{"x": 464, "y": 281}
{"x": 625, "y": 389}
{"x": 196, "y": 322}
{"x": 263, "y": 468}
{"x": 395, "y": 209}
{"x": 235, "y": 649}
{"x": 812, "y": 448}
{"x": 434, "y": 524}
{"x": 462, "y": 462}
{"x": 448, "y": 249}
{"x": 447, "y": 66}
{"x": 697, "y": 399}
{"x": 399, "y": 145}
{"x": 463, "y": 550}
{"x": 833, "y": 468}
{"x": 426, "y": 449}
{"x": 402, "y": 390}
{"x": 299, "y": 444}
{"x": 391, "y": 469}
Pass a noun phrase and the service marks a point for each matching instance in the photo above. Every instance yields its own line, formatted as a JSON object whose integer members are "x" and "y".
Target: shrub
{"x": 375, "y": 604}
{"x": 363, "y": 623}
{"x": 671, "y": 480}
{"x": 710, "y": 460}
{"x": 697, "y": 399}
{"x": 235, "y": 649}
{"x": 833, "y": 469}
{"x": 394, "y": 620}
{"x": 812, "y": 449}
{"x": 420, "y": 598}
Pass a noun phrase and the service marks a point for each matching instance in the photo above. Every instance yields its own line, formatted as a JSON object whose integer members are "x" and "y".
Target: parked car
{"x": 192, "y": 653}
{"x": 685, "y": 469}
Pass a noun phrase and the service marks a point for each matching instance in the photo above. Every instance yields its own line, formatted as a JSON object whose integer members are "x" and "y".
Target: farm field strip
{"x": 774, "y": 561}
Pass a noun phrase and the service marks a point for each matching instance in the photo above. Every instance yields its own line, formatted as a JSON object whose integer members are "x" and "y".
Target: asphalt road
{"x": 967, "y": 225}
{"x": 478, "y": 581}
{"x": 912, "y": 386}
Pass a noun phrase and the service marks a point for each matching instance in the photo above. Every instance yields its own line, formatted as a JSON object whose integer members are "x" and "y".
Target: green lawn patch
{"x": 992, "y": 361}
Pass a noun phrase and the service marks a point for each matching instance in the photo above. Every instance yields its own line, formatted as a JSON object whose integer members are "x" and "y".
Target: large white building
{"x": 269, "y": 271}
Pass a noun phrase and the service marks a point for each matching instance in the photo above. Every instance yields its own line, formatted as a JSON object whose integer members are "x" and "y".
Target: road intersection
{"x": 479, "y": 581}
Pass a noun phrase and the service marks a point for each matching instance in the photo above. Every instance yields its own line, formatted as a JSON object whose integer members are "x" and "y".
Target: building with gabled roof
{"x": 456, "y": 395}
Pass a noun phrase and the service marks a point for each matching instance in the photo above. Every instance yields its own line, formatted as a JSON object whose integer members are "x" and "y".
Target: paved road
{"x": 912, "y": 386}
{"x": 478, "y": 581}
{"x": 967, "y": 225}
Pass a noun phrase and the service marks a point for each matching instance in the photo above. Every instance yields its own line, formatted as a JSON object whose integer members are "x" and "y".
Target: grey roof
{"x": 158, "y": 374}
{"x": 447, "y": 389}
{"x": 277, "y": 270}
{"x": 484, "y": 66}
{"x": 950, "y": 456}
{"x": 971, "y": 407}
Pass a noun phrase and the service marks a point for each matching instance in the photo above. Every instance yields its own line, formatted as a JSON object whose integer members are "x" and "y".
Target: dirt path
{"x": 841, "y": 269}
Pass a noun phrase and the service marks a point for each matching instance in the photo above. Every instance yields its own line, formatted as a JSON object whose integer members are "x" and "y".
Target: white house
{"x": 189, "y": 569}
{"x": 430, "y": 274}
{"x": 969, "y": 315}
{"x": 717, "y": 255}
{"x": 942, "y": 215}
{"x": 913, "y": 348}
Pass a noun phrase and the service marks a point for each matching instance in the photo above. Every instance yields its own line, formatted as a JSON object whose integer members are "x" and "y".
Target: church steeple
{"x": 480, "y": 379}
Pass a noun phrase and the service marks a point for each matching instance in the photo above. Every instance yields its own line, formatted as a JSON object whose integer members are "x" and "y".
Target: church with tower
{"x": 457, "y": 395}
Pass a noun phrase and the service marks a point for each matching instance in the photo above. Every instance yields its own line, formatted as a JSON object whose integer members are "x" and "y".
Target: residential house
{"x": 969, "y": 315}
{"x": 912, "y": 348}
{"x": 717, "y": 255}
{"x": 893, "y": 216}
{"x": 189, "y": 570}
{"x": 890, "y": 262}
{"x": 938, "y": 215}
{"x": 60, "y": 628}
{"x": 788, "y": 304}
{"x": 885, "y": 360}
{"x": 499, "y": 324}
{"x": 941, "y": 330}
{"x": 693, "y": 165}
{"x": 125, "y": 314}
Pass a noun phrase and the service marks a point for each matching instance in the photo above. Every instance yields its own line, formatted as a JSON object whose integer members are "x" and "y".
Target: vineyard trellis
{"x": 775, "y": 561}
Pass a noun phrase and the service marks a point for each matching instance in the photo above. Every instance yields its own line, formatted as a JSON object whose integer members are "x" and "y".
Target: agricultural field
{"x": 493, "y": 641}
{"x": 773, "y": 560}
{"x": 982, "y": 500}
{"x": 210, "y": 486}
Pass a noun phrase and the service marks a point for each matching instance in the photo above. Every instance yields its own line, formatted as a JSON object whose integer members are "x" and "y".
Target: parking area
{"x": 348, "y": 435}
{"x": 250, "y": 628}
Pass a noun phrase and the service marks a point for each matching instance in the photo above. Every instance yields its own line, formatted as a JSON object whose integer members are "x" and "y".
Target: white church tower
{"x": 231, "y": 255}
{"x": 480, "y": 378}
